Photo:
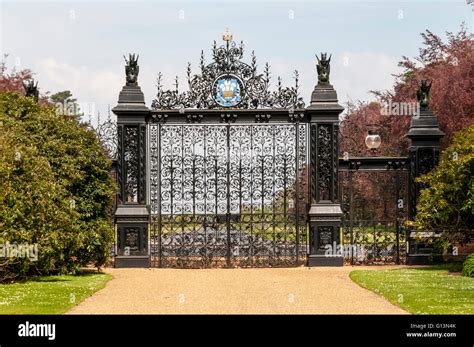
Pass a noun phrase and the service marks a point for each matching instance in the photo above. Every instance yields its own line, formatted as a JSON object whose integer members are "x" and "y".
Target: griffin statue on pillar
{"x": 423, "y": 94}
{"x": 31, "y": 89}
{"x": 323, "y": 68}
{"x": 131, "y": 69}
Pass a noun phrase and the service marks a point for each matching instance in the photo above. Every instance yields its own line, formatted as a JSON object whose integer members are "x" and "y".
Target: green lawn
{"x": 430, "y": 290}
{"x": 49, "y": 294}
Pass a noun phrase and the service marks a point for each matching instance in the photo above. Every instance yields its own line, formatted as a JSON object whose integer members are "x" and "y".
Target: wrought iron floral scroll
{"x": 107, "y": 135}
{"x": 227, "y": 60}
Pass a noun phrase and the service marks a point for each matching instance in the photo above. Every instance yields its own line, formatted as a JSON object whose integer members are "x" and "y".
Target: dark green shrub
{"x": 55, "y": 189}
{"x": 468, "y": 266}
{"x": 446, "y": 203}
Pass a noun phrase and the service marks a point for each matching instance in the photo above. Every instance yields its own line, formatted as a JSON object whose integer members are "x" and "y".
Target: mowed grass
{"x": 49, "y": 294}
{"x": 430, "y": 290}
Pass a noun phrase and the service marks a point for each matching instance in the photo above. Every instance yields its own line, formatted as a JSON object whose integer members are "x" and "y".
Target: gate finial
{"x": 131, "y": 69}
{"x": 31, "y": 89}
{"x": 227, "y": 36}
{"x": 323, "y": 68}
{"x": 423, "y": 94}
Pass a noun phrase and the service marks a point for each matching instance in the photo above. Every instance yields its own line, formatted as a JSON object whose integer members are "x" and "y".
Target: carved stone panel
{"x": 142, "y": 165}
{"x": 132, "y": 239}
{"x": 324, "y": 157}
{"x": 325, "y": 236}
{"x": 130, "y": 160}
{"x": 120, "y": 176}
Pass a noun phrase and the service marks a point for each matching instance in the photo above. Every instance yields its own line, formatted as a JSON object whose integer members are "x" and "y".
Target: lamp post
{"x": 373, "y": 141}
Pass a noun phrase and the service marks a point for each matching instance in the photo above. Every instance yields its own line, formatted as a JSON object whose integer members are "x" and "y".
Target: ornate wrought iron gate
{"x": 218, "y": 175}
{"x": 228, "y": 194}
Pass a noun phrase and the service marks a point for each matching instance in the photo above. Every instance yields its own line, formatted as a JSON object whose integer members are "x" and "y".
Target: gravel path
{"x": 235, "y": 291}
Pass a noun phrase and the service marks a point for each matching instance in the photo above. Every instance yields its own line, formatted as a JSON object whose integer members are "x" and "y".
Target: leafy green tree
{"x": 447, "y": 202}
{"x": 63, "y": 96}
{"x": 55, "y": 189}
{"x": 65, "y": 104}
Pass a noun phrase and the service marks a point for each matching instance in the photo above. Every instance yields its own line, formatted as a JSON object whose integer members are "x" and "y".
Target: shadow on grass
{"x": 48, "y": 279}
{"x": 62, "y": 278}
{"x": 450, "y": 267}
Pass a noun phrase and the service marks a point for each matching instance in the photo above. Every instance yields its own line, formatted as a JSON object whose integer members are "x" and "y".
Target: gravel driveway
{"x": 235, "y": 291}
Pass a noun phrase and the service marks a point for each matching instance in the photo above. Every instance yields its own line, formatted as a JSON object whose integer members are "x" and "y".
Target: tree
{"x": 12, "y": 81}
{"x": 55, "y": 189}
{"x": 34, "y": 209}
{"x": 449, "y": 66}
{"x": 61, "y": 97}
{"x": 65, "y": 104}
{"x": 446, "y": 203}
{"x": 374, "y": 193}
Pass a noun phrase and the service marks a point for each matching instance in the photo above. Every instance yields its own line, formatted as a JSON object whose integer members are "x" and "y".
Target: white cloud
{"x": 99, "y": 86}
{"x": 356, "y": 73}
{"x": 353, "y": 74}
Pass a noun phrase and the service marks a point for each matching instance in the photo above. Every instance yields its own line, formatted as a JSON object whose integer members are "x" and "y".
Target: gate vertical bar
{"x": 274, "y": 227}
{"x": 228, "y": 255}
{"x": 351, "y": 214}
{"x": 297, "y": 190}
{"x": 160, "y": 250}
{"x": 182, "y": 175}
{"x": 397, "y": 223}
{"x": 146, "y": 146}
{"x": 205, "y": 188}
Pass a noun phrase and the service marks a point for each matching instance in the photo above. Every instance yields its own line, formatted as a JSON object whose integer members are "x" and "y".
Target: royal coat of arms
{"x": 228, "y": 91}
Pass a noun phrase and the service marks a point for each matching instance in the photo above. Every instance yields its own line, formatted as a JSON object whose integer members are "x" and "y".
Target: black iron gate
{"x": 228, "y": 194}
{"x": 217, "y": 175}
{"x": 374, "y": 241}
{"x": 371, "y": 236}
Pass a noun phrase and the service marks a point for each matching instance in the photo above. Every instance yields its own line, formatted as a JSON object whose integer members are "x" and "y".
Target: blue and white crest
{"x": 228, "y": 91}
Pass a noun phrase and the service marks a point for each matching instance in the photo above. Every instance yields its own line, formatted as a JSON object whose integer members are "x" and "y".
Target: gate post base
{"x": 122, "y": 261}
{"x": 132, "y": 236}
{"x": 325, "y": 235}
{"x": 322, "y": 260}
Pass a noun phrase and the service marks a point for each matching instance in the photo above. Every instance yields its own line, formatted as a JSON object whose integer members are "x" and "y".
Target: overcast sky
{"x": 80, "y": 45}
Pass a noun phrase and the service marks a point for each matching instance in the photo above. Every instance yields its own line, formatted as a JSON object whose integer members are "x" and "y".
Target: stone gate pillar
{"x": 325, "y": 213}
{"x": 132, "y": 214}
{"x": 425, "y": 137}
